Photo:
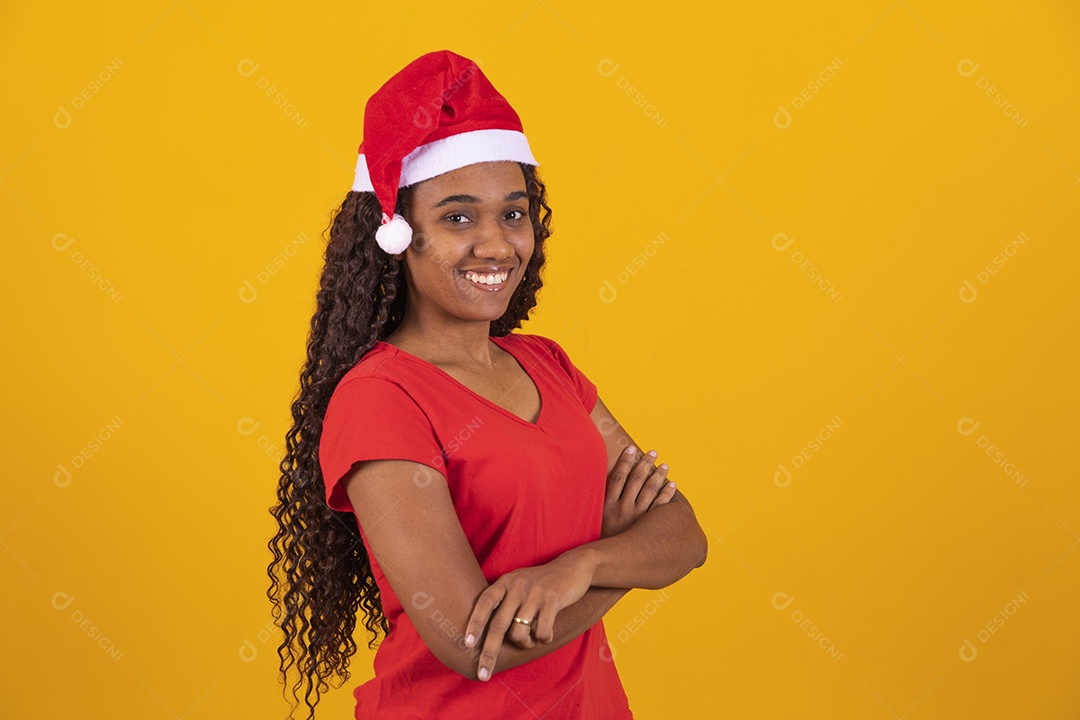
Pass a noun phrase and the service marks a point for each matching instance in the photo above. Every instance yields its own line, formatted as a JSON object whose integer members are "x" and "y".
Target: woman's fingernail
{"x": 484, "y": 673}
{"x": 671, "y": 484}
{"x": 470, "y": 639}
{"x": 663, "y": 466}
{"x": 630, "y": 450}
{"x": 652, "y": 453}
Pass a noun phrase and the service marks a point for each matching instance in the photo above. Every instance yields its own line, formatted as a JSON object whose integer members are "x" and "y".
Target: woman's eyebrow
{"x": 516, "y": 195}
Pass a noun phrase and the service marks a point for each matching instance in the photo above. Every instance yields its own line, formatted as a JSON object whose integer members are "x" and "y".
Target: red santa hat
{"x": 437, "y": 114}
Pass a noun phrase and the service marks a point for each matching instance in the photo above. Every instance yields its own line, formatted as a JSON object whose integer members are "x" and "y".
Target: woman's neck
{"x": 464, "y": 345}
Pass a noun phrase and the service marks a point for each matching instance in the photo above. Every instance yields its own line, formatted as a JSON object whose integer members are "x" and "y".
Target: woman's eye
{"x": 515, "y": 214}
{"x": 451, "y": 217}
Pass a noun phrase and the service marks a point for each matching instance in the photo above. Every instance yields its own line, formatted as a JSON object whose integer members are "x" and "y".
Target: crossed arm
{"x": 651, "y": 539}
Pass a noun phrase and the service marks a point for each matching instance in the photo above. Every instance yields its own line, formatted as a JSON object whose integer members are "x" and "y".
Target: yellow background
{"x": 178, "y": 178}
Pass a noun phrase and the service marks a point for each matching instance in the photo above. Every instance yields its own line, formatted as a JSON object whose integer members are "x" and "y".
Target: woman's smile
{"x": 490, "y": 280}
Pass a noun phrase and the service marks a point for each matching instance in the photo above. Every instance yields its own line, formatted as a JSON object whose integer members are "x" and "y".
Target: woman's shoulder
{"x": 552, "y": 356}
{"x": 382, "y": 362}
{"x": 540, "y": 345}
{"x": 385, "y": 377}
{"x": 546, "y": 350}
{"x": 530, "y": 340}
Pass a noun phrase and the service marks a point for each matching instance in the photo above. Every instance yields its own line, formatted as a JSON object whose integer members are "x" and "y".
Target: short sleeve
{"x": 585, "y": 389}
{"x": 371, "y": 418}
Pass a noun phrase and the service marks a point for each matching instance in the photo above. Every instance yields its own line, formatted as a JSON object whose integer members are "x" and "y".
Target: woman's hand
{"x": 536, "y": 594}
{"x": 634, "y": 485}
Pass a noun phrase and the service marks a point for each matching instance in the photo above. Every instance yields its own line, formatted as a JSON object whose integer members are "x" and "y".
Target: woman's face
{"x": 472, "y": 240}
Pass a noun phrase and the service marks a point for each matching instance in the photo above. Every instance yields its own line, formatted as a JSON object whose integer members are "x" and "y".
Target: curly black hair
{"x": 320, "y": 575}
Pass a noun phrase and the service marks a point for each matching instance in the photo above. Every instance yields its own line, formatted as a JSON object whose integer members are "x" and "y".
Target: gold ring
{"x": 522, "y": 621}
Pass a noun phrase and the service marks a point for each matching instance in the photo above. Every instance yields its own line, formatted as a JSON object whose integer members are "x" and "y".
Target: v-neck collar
{"x": 495, "y": 406}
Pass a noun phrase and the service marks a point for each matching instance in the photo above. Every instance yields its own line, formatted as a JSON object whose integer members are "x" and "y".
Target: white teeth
{"x": 492, "y": 279}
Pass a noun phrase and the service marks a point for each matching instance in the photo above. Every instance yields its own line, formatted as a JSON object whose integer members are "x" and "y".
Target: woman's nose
{"x": 492, "y": 241}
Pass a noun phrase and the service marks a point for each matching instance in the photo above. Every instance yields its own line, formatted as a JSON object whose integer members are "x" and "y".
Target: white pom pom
{"x": 394, "y": 236}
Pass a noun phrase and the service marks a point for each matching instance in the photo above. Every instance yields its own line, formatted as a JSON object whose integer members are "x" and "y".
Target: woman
{"x": 462, "y": 485}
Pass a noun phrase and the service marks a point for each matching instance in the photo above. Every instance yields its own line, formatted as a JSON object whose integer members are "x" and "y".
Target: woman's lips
{"x": 488, "y": 281}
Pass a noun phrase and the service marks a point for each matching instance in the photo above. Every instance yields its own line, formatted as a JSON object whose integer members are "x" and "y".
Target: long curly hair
{"x": 320, "y": 575}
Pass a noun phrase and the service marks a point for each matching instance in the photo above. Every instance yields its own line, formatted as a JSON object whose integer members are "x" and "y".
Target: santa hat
{"x": 437, "y": 114}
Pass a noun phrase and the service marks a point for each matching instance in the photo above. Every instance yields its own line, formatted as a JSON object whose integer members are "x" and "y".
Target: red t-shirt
{"x": 524, "y": 493}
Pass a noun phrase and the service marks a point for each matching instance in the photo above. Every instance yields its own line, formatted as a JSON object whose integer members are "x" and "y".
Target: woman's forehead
{"x": 487, "y": 180}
